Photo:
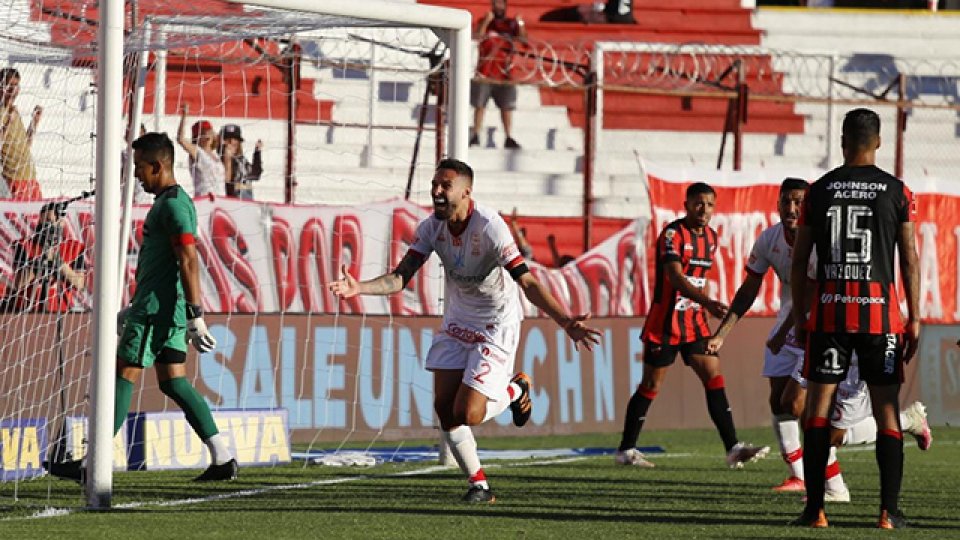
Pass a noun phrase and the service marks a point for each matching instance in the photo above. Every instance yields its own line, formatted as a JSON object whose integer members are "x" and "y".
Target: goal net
{"x": 338, "y": 113}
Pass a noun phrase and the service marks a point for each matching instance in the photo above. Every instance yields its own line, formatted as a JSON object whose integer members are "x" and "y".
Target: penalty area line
{"x": 59, "y": 512}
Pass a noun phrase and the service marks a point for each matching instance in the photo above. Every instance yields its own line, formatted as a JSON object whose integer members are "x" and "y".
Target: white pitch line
{"x": 58, "y": 512}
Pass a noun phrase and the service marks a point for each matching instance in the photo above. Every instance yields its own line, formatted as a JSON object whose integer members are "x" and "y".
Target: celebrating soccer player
{"x": 677, "y": 322}
{"x": 472, "y": 357}
{"x": 856, "y": 216}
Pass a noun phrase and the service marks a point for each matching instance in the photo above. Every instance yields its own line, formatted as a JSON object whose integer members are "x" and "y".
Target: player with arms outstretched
{"x": 856, "y": 216}
{"x": 677, "y": 323}
{"x": 472, "y": 355}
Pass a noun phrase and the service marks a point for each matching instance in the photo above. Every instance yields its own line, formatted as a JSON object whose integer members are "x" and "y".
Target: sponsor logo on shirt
{"x": 827, "y": 298}
{"x": 465, "y": 335}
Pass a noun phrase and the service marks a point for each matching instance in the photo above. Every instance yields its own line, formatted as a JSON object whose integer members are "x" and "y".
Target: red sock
{"x": 478, "y": 477}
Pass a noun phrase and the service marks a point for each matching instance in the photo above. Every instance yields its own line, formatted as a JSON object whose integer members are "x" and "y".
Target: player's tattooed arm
{"x": 742, "y": 301}
{"x": 385, "y": 284}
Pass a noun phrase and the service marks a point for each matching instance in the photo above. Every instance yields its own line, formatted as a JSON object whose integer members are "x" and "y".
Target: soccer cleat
{"x": 816, "y": 521}
{"x": 916, "y": 413}
{"x": 479, "y": 494}
{"x": 791, "y": 484}
{"x": 744, "y": 453}
{"x": 633, "y": 457}
{"x": 510, "y": 143}
{"x": 474, "y": 140}
{"x": 839, "y": 495}
{"x": 67, "y": 470}
{"x": 214, "y": 473}
{"x": 892, "y": 520}
{"x": 522, "y": 406}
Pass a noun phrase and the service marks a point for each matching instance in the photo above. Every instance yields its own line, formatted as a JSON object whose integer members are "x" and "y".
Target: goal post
{"x": 451, "y": 26}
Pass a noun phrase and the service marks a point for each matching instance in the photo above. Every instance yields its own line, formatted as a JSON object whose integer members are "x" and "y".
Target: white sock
{"x": 835, "y": 482}
{"x": 464, "y": 449}
{"x": 445, "y": 435}
{"x": 787, "y": 430}
{"x": 514, "y": 391}
{"x": 863, "y": 432}
{"x": 219, "y": 451}
{"x": 905, "y": 424}
{"x": 497, "y": 406}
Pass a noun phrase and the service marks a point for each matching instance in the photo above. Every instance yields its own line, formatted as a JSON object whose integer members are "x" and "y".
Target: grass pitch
{"x": 689, "y": 495}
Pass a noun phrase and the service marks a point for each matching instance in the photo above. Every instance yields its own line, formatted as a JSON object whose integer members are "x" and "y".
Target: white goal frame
{"x": 453, "y": 26}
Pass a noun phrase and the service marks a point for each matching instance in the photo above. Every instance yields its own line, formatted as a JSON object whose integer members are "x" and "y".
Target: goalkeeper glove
{"x": 197, "y": 332}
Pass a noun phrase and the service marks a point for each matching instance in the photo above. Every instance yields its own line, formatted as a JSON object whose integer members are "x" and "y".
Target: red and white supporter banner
{"x": 747, "y": 204}
{"x": 274, "y": 258}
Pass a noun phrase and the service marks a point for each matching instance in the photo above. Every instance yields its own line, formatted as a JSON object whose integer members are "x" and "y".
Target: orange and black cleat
{"x": 815, "y": 521}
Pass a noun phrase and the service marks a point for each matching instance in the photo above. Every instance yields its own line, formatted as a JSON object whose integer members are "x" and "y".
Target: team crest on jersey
{"x": 441, "y": 238}
{"x": 669, "y": 233}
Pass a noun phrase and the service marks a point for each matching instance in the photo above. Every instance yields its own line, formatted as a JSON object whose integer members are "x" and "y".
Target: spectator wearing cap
{"x": 240, "y": 173}
{"x": 205, "y": 166}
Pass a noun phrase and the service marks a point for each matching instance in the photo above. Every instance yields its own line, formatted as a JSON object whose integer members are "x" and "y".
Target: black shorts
{"x": 658, "y": 355}
{"x": 879, "y": 356}
{"x": 171, "y": 356}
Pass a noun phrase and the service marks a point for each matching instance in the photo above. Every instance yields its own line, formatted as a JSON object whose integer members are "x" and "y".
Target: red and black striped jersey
{"x": 674, "y": 319}
{"x": 854, "y": 214}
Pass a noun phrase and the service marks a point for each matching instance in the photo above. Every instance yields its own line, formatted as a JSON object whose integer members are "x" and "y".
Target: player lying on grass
{"x": 852, "y": 422}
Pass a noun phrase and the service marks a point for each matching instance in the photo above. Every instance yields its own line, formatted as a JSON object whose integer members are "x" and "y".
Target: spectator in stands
{"x": 498, "y": 35}
{"x": 240, "y": 174}
{"x": 598, "y": 12}
{"x": 519, "y": 236}
{"x": 16, "y": 161}
{"x": 559, "y": 261}
{"x": 48, "y": 270}
{"x": 205, "y": 166}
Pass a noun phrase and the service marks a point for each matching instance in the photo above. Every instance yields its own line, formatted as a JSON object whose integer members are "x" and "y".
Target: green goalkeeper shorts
{"x": 141, "y": 342}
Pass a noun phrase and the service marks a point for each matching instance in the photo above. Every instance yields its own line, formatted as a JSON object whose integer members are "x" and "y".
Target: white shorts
{"x": 852, "y": 406}
{"x": 485, "y": 355}
{"x": 852, "y": 402}
{"x": 782, "y": 364}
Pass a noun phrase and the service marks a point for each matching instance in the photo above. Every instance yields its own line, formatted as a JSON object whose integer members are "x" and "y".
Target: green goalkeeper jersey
{"x": 172, "y": 220}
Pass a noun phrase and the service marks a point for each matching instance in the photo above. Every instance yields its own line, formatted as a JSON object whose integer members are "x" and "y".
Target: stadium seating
{"x": 683, "y": 21}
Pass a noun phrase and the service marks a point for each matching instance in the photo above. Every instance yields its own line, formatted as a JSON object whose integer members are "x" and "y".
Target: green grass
{"x": 689, "y": 495}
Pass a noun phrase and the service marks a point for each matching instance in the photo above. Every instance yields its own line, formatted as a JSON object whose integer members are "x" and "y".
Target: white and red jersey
{"x": 478, "y": 287}
{"x": 772, "y": 250}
